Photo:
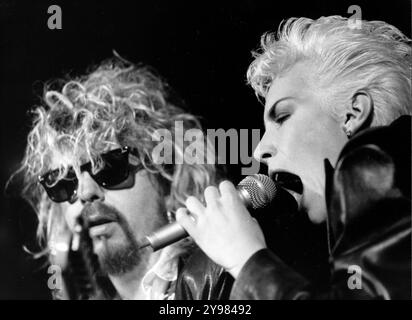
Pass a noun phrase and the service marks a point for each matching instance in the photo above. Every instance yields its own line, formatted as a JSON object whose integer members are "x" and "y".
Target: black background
{"x": 201, "y": 47}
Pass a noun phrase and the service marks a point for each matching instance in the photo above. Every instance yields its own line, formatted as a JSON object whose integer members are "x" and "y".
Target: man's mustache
{"x": 98, "y": 212}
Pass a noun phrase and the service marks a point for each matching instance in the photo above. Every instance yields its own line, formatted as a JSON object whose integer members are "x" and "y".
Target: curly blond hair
{"x": 118, "y": 104}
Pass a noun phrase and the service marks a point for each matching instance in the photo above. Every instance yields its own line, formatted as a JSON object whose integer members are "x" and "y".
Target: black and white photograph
{"x": 223, "y": 151}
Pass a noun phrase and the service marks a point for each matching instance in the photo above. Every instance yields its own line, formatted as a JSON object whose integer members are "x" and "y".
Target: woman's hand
{"x": 223, "y": 229}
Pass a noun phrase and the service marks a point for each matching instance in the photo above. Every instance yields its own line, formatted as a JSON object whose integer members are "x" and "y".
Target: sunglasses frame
{"x": 123, "y": 155}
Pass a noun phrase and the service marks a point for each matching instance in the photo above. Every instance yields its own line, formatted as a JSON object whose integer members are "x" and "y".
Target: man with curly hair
{"x": 89, "y": 154}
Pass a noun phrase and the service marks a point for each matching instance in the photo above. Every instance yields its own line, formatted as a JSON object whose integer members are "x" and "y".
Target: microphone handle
{"x": 164, "y": 236}
{"x": 174, "y": 232}
{"x": 83, "y": 264}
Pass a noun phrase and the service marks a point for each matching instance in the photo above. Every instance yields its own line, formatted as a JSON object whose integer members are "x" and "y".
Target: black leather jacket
{"x": 368, "y": 198}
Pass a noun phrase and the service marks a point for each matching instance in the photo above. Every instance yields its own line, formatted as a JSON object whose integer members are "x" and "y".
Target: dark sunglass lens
{"x": 63, "y": 190}
{"x": 115, "y": 170}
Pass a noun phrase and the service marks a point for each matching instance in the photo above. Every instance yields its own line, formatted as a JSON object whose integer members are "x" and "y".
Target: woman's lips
{"x": 287, "y": 180}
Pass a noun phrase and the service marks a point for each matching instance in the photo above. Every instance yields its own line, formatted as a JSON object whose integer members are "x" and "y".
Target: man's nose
{"x": 88, "y": 189}
{"x": 265, "y": 149}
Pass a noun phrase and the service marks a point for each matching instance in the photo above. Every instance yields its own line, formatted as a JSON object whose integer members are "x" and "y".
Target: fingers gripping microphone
{"x": 256, "y": 192}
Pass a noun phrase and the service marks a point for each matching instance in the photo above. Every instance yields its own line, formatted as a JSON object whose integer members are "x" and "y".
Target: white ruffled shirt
{"x": 157, "y": 282}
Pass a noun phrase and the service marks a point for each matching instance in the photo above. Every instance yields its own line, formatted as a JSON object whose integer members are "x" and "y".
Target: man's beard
{"x": 119, "y": 258}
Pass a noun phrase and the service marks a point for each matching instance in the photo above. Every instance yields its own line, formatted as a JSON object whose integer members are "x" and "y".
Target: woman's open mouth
{"x": 287, "y": 180}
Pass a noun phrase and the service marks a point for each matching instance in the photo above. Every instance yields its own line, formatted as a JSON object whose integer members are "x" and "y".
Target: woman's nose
{"x": 88, "y": 189}
{"x": 265, "y": 149}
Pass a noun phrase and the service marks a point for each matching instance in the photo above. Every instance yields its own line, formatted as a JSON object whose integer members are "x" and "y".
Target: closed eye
{"x": 281, "y": 118}
{"x": 278, "y": 112}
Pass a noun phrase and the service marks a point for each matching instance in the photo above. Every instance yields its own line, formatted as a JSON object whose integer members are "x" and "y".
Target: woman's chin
{"x": 316, "y": 209}
{"x": 311, "y": 204}
{"x": 298, "y": 197}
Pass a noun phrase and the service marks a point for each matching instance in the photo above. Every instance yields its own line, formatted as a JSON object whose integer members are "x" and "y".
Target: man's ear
{"x": 359, "y": 115}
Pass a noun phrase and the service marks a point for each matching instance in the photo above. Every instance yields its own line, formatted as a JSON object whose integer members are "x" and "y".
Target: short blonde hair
{"x": 375, "y": 57}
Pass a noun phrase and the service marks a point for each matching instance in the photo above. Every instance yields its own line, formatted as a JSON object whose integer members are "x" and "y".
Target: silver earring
{"x": 348, "y": 132}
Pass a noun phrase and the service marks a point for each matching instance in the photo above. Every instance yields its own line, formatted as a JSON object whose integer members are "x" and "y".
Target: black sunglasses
{"x": 114, "y": 175}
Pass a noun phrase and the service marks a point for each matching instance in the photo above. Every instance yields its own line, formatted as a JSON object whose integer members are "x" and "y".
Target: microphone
{"x": 255, "y": 191}
{"x": 79, "y": 265}
{"x": 83, "y": 264}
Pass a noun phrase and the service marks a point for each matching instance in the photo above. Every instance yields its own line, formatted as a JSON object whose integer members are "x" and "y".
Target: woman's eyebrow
{"x": 272, "y": 108}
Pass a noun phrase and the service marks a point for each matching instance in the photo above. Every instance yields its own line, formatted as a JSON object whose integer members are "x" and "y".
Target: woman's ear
{"x": 359, "y": 115}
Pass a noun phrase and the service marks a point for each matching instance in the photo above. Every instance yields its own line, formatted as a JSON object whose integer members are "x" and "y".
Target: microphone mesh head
{"x": 260, "y": 189}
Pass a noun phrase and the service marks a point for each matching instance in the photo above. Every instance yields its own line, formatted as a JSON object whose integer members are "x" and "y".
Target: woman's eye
{"x": 281, "y": 118}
